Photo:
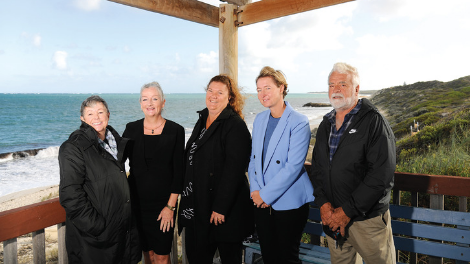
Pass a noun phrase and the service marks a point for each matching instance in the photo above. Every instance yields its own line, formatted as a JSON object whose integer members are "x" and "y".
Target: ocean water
{"x": 33, "y": 126}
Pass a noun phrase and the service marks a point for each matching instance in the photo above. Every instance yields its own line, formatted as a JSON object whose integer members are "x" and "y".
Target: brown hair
{"x": 277, "y": 75}
{"x": 92, "y": 100}
{"x": 236, "y": 99}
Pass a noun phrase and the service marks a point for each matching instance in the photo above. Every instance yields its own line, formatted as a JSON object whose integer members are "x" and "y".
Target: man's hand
{"x": 326, "y": 210}
{"x": 339, "y": 220}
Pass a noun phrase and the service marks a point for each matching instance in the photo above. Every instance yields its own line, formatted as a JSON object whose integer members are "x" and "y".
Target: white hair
{"x": 345, "y": 68}
{"x": 155, "y": 85}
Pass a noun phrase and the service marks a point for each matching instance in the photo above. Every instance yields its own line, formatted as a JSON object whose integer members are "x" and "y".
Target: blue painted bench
{"x": 421, "y": 237}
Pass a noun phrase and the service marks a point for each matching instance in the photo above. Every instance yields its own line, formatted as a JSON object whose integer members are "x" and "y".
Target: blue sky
{"x": 96, "y": 46}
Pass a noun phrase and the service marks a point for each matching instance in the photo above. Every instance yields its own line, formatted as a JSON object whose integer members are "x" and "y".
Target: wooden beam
{"x": 191, "y": 10}
{"x": 237, "y": 2}
{"x": 228, "y": 42}
{"x": 270, "y": 9}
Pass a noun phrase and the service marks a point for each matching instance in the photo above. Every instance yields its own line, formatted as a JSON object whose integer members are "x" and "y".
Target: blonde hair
{"x": 277, "y": 75}
{"x": 236, "y": 99}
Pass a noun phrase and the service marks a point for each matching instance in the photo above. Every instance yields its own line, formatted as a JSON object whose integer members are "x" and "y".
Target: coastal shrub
{"x": 425, "y": 119}
{"x": 430, "y": 136}
{"x": 306, "y": 238}
{"x": 455, "y": 94}
{"x": 465, "y": 90}
{"x": 433, "y": 103}
{"x": 449, "y": 157}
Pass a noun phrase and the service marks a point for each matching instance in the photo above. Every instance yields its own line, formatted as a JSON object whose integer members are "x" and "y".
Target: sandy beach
{"x": 27, "y": 197}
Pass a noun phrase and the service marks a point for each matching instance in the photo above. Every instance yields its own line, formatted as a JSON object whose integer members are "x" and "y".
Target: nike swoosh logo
{"x": 352, "y": 131}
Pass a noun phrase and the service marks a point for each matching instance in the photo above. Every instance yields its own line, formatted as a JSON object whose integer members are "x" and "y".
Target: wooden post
{"x": 62, "y": 252}
{"x": 10, "y": 251}
{"x": 228, "y": 42}
{"x": 39, "y": 247}
{"x": 436, "y": 202}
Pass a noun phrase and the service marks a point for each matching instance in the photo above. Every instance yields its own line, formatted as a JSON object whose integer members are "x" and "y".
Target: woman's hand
{"x": 166, "y": 217}
{"x": 217, "y": 218}
{"x": 257, "y": 200}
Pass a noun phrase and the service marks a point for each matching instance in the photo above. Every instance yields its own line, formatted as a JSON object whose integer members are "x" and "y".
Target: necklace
{"x": 156, "y": 127}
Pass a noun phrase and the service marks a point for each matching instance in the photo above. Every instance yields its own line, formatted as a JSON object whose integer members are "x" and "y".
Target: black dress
{"x": 156, "y": 171}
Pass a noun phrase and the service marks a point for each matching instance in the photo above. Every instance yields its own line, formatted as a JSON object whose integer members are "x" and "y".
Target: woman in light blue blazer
{"x": 279, "y": 184}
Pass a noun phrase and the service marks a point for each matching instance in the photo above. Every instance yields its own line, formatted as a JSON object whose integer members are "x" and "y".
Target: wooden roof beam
{"x": 237, "y": 2}
{"x": 191, "y": 10}
{"x": 269, "y": 9}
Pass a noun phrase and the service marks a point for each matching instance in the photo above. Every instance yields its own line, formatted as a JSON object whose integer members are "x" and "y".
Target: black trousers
{"x": 202, "y": 252}
{"x": 279, "y": 233}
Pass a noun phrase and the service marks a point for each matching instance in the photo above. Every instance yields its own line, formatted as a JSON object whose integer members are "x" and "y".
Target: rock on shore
{"x": 317, "y": 105}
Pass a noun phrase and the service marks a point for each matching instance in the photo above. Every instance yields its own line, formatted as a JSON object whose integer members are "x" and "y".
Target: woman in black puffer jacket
{"x": 94, "y": 191}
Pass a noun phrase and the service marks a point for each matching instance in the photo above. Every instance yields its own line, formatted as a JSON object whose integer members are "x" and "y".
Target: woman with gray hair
{"x": 156, "y": 173}
{"x": 94, "y": 191}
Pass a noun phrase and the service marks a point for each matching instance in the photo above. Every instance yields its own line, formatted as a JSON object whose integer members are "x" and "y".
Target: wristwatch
{"x": 170, "y": 207}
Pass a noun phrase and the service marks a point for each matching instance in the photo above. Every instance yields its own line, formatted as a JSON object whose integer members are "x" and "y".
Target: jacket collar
{"x": 92, "y": 139}
{"x": 365, "y": 108}
{"x": 203, "y": 114}
{"x": 226, "y": 113}
{"x": 277, "y": 133}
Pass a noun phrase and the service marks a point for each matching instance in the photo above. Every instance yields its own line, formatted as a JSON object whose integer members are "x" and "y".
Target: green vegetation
{"x": 442, "y": 145}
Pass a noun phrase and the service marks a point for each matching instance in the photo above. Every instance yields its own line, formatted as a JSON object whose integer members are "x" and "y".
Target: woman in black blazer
{"x": 215, "y": 208}
{"x": 156, "y": 174}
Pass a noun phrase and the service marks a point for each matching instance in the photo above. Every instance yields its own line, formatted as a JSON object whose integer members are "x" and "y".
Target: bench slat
{"x": 431, "y": 232}
{"x": 316, "y": 252}
{"x": 314, "y": 228}
{"x": 430, "y": 215}
{"x": 314, "y": 215}
{"x": 431, "y": 248}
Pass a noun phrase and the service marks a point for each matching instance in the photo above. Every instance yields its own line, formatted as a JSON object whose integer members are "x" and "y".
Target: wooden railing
{"x": 437, "y": 187}
{"x": 35, "y": 218}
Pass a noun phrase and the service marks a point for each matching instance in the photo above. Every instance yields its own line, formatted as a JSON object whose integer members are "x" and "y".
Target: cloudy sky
{"x": 96, "y": 46}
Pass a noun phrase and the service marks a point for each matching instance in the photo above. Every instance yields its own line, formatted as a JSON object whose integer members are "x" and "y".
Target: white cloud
{"x": 87, "y": 5}
{"x": 283, "y": 41}
{"x": 126, "y": 49}
{"x": 386, "y": 48}
{"x": 465, "y": 23}
{"x": 208, "y": 62}
{"x": 37, "y": 40}
{"x": 386, "y": 10}
{"x": 59, "y": 60}
{"x": 2, "y": 52}
{"x": 31, "y": 39}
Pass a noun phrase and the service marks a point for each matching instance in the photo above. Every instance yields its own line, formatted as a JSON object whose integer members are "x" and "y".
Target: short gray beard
{"x": 345, "y": 103}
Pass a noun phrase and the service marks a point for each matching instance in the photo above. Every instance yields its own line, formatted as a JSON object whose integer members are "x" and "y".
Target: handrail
{"x": 26, "y": 219}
